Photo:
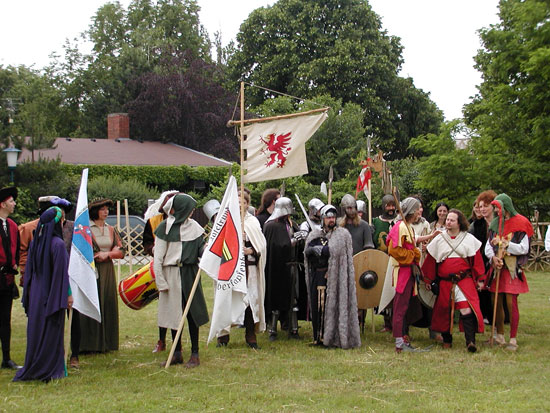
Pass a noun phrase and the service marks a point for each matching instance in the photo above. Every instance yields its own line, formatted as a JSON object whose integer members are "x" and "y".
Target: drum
{"x": 139, "y": 289}
{"x": 427, "y": 298}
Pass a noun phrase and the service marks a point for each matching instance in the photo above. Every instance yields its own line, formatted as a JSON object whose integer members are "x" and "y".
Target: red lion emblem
{"x": 278, "y": 149}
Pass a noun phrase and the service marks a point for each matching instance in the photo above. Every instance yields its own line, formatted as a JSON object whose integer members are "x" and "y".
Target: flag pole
{"x": 242, "y": 158}
{"x": 182, "y": 321}
{"x": 68, "y": 335}
{"x": 266, "y": 119}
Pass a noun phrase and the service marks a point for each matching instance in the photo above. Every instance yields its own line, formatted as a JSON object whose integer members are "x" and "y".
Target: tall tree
{"x": 309, "y": 48}
{"x": 510, "y": 115}
{"x": 184, "y": 102}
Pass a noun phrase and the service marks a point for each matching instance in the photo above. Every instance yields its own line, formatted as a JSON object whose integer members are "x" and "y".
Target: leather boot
{"x": 469, "y": 324}
{"x": 273, "y": 326}
{"x": 193, "y": 361}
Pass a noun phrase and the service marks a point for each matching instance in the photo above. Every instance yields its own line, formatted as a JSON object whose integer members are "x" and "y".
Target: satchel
{"x": 435, "y": 286}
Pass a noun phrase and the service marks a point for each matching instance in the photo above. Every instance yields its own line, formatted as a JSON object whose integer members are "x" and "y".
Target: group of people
{"x": 294, "y": 272}
{"x": 467, "y": 265}
{"x": 39, "y": 250}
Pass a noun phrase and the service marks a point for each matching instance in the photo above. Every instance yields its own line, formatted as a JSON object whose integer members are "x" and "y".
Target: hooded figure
{"x": 510, "y": 231}
{"x": 45, "y": 298}
{"x": 178, "y": 246}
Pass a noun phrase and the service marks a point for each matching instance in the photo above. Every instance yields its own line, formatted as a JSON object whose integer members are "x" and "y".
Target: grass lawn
{"x": 291, "y": 376}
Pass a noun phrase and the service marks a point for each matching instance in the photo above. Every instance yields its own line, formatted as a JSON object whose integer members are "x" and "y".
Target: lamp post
{"x": 11, "y": 155}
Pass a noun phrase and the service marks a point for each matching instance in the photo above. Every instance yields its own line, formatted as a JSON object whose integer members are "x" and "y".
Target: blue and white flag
{"x": 82, "y": 273}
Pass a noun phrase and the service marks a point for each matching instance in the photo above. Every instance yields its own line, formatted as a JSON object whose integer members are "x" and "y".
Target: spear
{"x": 330, "y": 178}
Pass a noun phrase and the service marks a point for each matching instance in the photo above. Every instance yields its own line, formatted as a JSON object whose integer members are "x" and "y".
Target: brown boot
{"x": 74, "y": 362}
{"x": 161, "y": 346}
{"x": 193, "y": 361}
{"x": 177, "y": 358}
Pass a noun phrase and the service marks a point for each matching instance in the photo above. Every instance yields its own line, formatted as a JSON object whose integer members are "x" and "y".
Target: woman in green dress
{"x": 102, "y": 337}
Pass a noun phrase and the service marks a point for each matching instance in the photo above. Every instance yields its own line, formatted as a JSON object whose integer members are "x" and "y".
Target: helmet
{"x": 328, "y": 211}
{"x": 314, "y": 206}
{"x": 283, "y": 206}
{"x": 211, "y": 208}
{"x": 348, "y": 201}
{"x": 361, "y": 206}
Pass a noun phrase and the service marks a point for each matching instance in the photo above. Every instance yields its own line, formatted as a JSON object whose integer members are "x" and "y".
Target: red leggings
{"x": 512, "y": 304}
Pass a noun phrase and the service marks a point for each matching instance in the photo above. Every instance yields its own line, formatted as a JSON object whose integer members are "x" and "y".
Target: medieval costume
{"x": 508, "y": 224}
{"x": 361, "y": 233}
{"x": 457, "y": 263}
{"x": 45, "y": 298}
{"x": 153, "y": 217}
{"x": 254, "y": 315}
{"x": 383, "y": 223}
{"x": 282, "y": 269}
{"x": 404, "y": 258}
{"x": 331, "y": 286}
{"x": 314, "y": 209}
{"x": 178, "y": 246}
{"x": 103, "y": 337}
{"x": 9, "y": 257}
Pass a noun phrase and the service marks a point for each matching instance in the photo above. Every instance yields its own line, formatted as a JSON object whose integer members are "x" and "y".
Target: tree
{"x": 126, "y": 44}
{"x": 184, "y": 103}
{"x": 309, "y": 48}
{"x": 510, "y": 115}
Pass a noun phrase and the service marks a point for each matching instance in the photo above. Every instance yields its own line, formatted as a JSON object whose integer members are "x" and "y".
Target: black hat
{"x": 9, "y": 191}
{"x": 99, "y": 202}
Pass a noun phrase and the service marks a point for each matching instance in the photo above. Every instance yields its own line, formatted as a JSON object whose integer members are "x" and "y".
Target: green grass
{"x": 290, "y": 376}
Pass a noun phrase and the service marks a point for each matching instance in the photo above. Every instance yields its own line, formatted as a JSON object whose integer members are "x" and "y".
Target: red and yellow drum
{"x": 139, "y": 289}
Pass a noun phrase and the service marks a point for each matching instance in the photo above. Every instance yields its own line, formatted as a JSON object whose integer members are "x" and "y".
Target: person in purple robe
{"x": 46, "y": 296}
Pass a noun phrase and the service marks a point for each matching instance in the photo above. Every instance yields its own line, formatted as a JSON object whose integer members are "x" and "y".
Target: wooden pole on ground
{"x": 68, "y": 335}
{"x": 182, "y": 321}
{"x": 118, "y": 229}
{"x": 128, "y": 238}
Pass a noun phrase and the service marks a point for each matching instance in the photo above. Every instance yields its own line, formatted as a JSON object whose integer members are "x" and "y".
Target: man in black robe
{"x": 281, "y": 270}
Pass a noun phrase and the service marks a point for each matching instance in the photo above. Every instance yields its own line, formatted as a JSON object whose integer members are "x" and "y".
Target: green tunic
{"x": 190, "y": 251}
{"x": 381, "y": 230}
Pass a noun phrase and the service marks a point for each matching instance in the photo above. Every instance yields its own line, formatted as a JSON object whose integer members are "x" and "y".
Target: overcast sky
{"x": 439, "y": 36}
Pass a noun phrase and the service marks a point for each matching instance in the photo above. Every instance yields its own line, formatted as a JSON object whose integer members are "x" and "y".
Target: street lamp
{"x": 11, "y": 155}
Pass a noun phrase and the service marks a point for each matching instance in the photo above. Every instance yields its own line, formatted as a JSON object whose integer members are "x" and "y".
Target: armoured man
{"x": 361, "y": 233}
{"x": 331, "y": 284}
{"x": 314, "y": 211}
{"x": 284, "y": 241}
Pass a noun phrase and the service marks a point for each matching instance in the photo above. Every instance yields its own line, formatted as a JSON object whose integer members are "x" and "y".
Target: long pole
{"x": 497, "y": 280}
{"x": 182, "y": 321}
{"x": 68, "y": 334}
{"x": 243, "y": 212}
{"x": 128, "y": 238}
{"x": 288, "y": 116}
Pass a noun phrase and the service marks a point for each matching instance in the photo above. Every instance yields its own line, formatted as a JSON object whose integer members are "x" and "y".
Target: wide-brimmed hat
{"x": 8, "y": 191}
{"x": 100, "y": 202}
{"x": 45, "y": 202}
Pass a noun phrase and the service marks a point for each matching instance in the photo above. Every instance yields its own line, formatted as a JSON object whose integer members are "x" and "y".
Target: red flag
{"x": 362, "y": 180}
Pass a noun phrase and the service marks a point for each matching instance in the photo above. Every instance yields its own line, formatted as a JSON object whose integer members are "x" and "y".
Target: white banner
{"x": 277, "y": 149}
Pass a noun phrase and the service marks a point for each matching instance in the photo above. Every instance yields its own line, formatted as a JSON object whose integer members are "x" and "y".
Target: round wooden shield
{"x": 377, "y": 262}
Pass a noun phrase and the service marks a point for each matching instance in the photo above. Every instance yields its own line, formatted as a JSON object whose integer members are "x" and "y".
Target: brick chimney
{"x": 118, "y": 126}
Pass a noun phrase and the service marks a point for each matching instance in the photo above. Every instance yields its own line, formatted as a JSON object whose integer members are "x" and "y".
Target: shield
{"x": 370, "y": 272}
{"x": 427, "y": 298}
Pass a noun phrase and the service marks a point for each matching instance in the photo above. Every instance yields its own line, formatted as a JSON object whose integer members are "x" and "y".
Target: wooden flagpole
{"x": 128, "y": 238}
{"x": 68, "y": 335}
{"x": 257, "y": 120}
{"x": 183, "y": 317}
{"x": 243, "y": 212}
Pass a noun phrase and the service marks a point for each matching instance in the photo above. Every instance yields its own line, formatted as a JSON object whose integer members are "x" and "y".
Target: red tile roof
{"x": 122, "y": 152}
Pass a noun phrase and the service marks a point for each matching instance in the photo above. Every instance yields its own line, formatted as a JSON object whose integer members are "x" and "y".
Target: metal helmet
{"x": 314, "y": 206}
{"x": 361, "y": 206}
{"x": 348, "y": 201}
{"x": 211, "y": 208}
{"x": 328, "y": 211}
{"x": 283, "y": 206}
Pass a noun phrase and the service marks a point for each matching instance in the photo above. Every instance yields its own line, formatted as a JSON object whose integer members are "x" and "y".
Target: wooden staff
{"x": 68, "y": 335}
{"x": 128, "y": 238}
{"x": 118, "y": 269}
{"x": 452, "y": 308}
{"x": 500, "y": 254}
{"x": 182, "y": 321}
{"x": 330, "y": 178}
{"x": 243, "y": 212}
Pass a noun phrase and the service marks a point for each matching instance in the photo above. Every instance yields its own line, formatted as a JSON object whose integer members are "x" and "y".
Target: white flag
{"x": 277, "y": 149}
{"x": 82, "y": 274}
{"x": 223, "y": 260}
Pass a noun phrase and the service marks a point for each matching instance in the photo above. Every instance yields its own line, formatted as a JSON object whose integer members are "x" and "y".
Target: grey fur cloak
{"x": 341, "y": 323}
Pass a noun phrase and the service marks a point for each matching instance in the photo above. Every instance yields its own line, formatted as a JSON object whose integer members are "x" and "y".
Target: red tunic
{"x": 442, "y": 307}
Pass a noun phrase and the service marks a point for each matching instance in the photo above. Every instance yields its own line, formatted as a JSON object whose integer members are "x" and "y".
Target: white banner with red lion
{"x": 276, "y": 149}
{"x": 223, "y": 260}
